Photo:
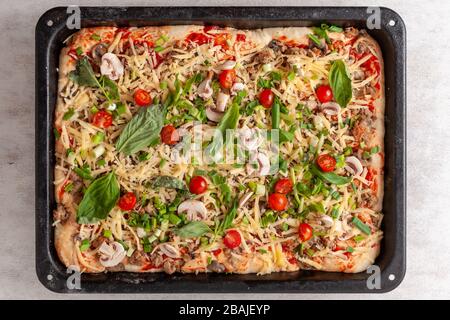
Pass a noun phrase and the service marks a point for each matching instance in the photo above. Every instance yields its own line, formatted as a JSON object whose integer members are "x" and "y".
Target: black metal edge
{"x": 48, "y": 266}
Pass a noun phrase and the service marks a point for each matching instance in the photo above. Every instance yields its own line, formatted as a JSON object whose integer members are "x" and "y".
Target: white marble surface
{"x": 428, "y": 150}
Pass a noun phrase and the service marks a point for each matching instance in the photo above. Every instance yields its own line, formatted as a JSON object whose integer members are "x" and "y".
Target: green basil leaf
{"x": 84, "y": 172}
{"x": 330, "y": 176}
{"x": 229, "y": 121}
{"x": 143, "y": 130}
{"x": 110, "y": 88}
{"x": 99, "y": 199}
{"x": 83, "y": 74}
{"x": 340, "y": 83}
{"x": 193, "y": 229}
{"x": 168, "y": 182}
{"x": 228, "y": 220}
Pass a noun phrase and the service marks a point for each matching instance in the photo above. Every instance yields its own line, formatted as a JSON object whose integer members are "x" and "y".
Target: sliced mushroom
{"x": 111, "y": 254}
{"x": 98, "y": 51}
{"x": 204, "y": 89}
{"x": 330, "y": 108}
{"x": 222, "y": 100}
{"x": 263, "y": 164}
{"x": 353, "y": 165}
{"x": 251, "y": 139}
{"x": 215, "y": 266}
{"x": 194, "y": 209}
{"x": 111, "y": 66}
{"x": 169, "y": 250}
{"x": 227, "y": 65}
{"x": 237, "y": 86}
{"x": 327, "y": 220}
{"x": 213, "y": 115}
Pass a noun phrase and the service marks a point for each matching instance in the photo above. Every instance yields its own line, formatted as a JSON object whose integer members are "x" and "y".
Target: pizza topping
{"x": 222, "y": 100}
{"x": 283, "y": 185}
{"x": 169, "y": 135}
{"x": 278, "y": 201}
{"x": 305, "y": 232}
{"x": 353, "y": 165}
{"x": 232, "y": 239}
{"x": 142, "y": 98}
{"x": 127, "y": 201}
{"x": 111, "y": 254}
{"x": 227, "y": 65}
{"x": 212, "y": 114}
{"x": 111, "y": 66}
{"x": 266, "y": 98}
{"x": 194, "y": 209}
{"x": 198, "y": 185}
{"x": 102, "y": 119}
{"x": 227, "y": 78}
{"x": 326, "y": 163}
{"x": 204, "y": 89}
{"x": 330, "y": 108}
{"x": 98, "y": 51}
{"x": 324, "y": 94}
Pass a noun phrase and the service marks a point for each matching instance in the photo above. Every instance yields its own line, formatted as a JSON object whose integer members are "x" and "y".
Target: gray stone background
{"x": 428, "y": 107}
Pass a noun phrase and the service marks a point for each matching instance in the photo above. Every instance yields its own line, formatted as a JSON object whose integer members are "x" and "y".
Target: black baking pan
{"x": 51, "y": 31}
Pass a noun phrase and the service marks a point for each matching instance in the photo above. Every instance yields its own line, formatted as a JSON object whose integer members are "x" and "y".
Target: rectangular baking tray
{"x": 51, "y": 31}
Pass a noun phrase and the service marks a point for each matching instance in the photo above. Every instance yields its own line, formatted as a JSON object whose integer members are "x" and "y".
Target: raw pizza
{"x": 130, "y": 100}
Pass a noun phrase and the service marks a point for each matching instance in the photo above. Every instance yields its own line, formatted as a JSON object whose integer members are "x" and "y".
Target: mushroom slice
{"x": 227, "y": 65}
{"x": 194, "y": 209}
{"x": 169, "y": 250}
{"x": 111, "y": 66}
{"x": 204, "y": 89}
{"x": 98, "y": 51}
{"x": 111, "y": 254}
{"x": 213, "y": 114}
{"x": 222, "y": 100}
{"x": 353, "y": 165}
{"x": 237, "y": 86}
{"x": 251, "y": 139}
{"x": 263, "y": 163}
{"x": 330, "y": 108}
{"x": 327, "y": 220}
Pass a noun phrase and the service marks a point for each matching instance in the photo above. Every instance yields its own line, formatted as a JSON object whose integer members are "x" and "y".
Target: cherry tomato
{"x": 241, "y": 37}
{"x": 326, "y": 162}
{"x": 266, "y": 98}
{"x": 284, "y": 185}
{"x": 102, "y": 119}
{"x": 127, "y": 201}
{"x": 324, "y": 94}
{"x": 305, "y": 232}
{"x": 198, "y": 38}
{"x": 278, "y": 201}
{"x": 198, "y": 185}
{"x": 226, "y": 78}
{"x": 207, "y": 29}
{"x": 169, "y": 135}
{"x": 142, "y": 98}
{"x": 217, "y": 252}
{"x": 232, "y": 239}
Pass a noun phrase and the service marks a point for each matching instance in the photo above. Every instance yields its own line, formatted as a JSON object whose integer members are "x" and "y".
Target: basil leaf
{"x": 193, "y": 229}
{"x": 229, "y": 121}
{"x": 84, "y": 172}
{"x": 110, "y": 88}
{"x": 143, "y": 130}
{"x": 340, "y": 83}
{"x": 228, "y": 220}
{"x": 83, "y": 74}
{"x": 330, "y": 176}
{"x": 99, "y": 199}
{"x": 168, "y": 182}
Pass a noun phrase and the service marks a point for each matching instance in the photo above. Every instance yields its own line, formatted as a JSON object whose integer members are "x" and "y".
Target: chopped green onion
{"x": 350, "y": 249}
{"x": 361, "y": 225}
{"x": 96, "y": 37}
{"x": 333, "y": 28}
{"x": 99, "y": 150}
{"x": 374, "y": 150}
{"x": 348, "y": 151}
{"x": 56, "y": 133}
{"x": 101, "y": 162}
{"x": 174, "y": 219}
{"x": 366, "y": 155}
{"x": 68, "y": 187}
{"x": 69, "y": 114}
{"x": 204, "y": 241}
{"x": 291, "y": 75}
{"x": 121, "y": 108}
{"x": 163, "y": 85}
{"x": 260, "y": 190}
{"x": 98, "y": 137}
{"x": 263, "y": 251}
{"x": 359, "y": 238}
{"x": 159, "y": 49}
{"x": 335, "y": 213}
{"x": 79, "y": 51}
{"x": 285, "y": 226}
{"x": 107, "y": 233}
{"x": 144, "y": 156}
{"x": 147, "y": 248}
{"x": 94, "y": 110}
{"x": 315, "y": 39}
{"x": 85, "y": 244}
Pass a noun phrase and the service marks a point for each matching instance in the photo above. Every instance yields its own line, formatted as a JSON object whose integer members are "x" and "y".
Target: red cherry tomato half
{"x": 206, "y": 29}
{"x": 127, "y": 201}
{"x": 226, "y": 78}
{"x": 278, "y": 201}
{"x": 284, "y": 185}
{"x": 169, "y": 135}
{"x": 102, "y": 119}
{"x": 324, "y": 94}
{"x": 142, "y": 98}
{"x": 266, "y": 98}
{"x": 326, "y": 162}
{"x": 198, "y": 38}
{"x": 232, "y": 239}
{"x": 217, "y": 252}
{"x": 305, "y": 232}
{"x": 198, "y": 185}
{"x": 241, "y": 37}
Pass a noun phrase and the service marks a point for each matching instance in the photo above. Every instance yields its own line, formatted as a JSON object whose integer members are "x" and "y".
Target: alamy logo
{"x": 74, "y": 18}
